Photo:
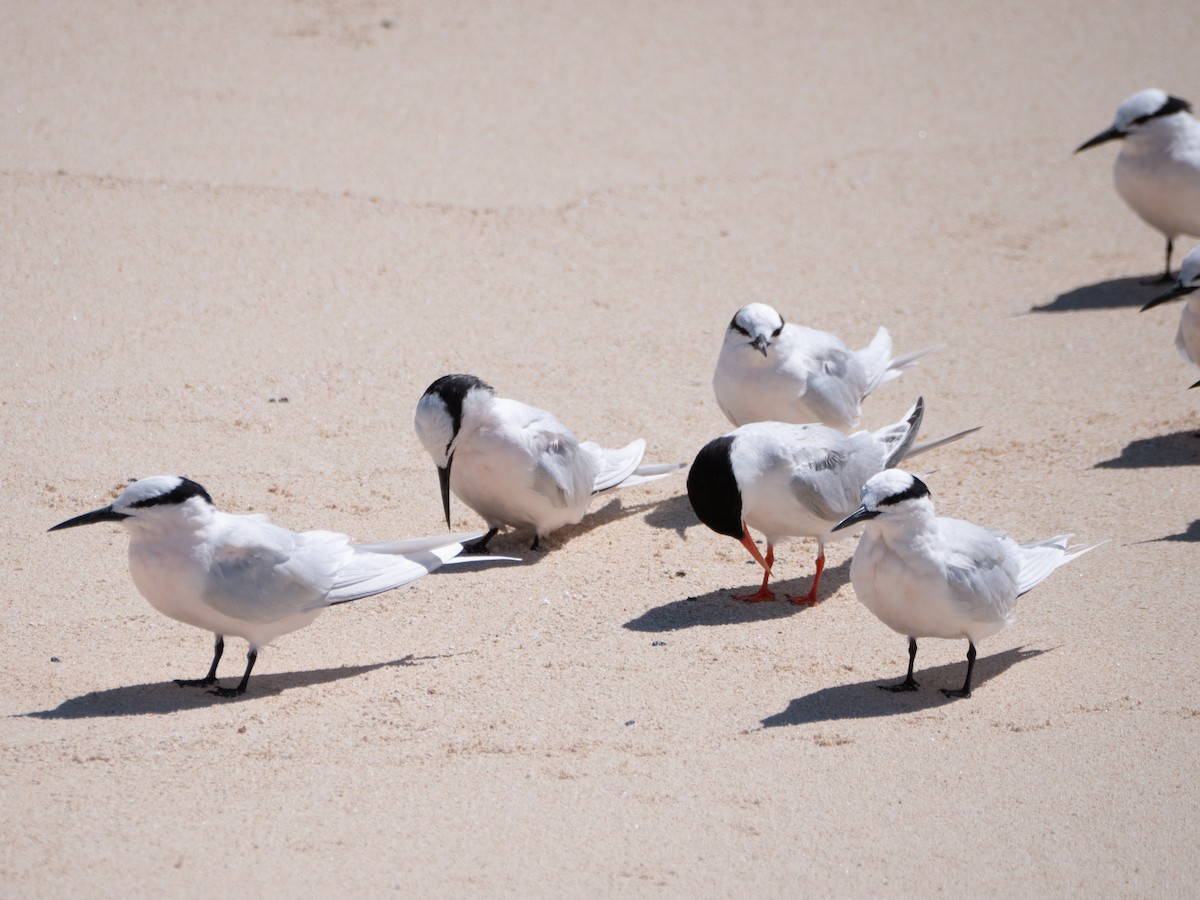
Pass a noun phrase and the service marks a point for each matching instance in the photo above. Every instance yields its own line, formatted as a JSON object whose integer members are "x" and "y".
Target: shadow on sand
{"x": 864, "y": 699}
{"x": 167, "y": 697}
{"x": 716, "y": 607}
{"x": 1182, "y": 448}
{"x": 1115, "y": 294}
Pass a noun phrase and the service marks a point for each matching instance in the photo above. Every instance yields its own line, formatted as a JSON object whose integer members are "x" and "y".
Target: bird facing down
{"x": 515, "y": 464}
{"x": 1187, "y": 339}
{"x": 772, "y": 371}
{"x": 929, "y": 576}
{"x": 1157, "y": 172}
{"x": 241, "y": 575}
{"x": 793, "y": 481}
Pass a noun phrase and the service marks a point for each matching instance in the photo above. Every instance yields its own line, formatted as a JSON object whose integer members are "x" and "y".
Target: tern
{"x": 794, "y": 481}
{"x": 774, "y": 371}
{"x": 929, "y": 576}
{"x": 1157, "y": 172}
{"x": 240, "y": 575}
{"x": 1187, "y": 339}
{"x": 516, "y": 464}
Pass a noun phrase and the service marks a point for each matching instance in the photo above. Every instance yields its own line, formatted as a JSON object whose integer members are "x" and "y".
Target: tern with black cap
{"x": 1157, "y": 172}
{"x": 794, "y": 481}
{"x": 1187, "y": 338}
{"x": 240, "y": 575}
{"x": 515, "y": 464}
{"x": 775, "y": 371}
{"x": 924, "y": 575}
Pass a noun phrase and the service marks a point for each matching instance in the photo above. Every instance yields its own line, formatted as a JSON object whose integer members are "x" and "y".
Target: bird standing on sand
{"x": 929, "y": 576}
{"x": 241, "y": 575}
{"x": 793, "y": 481}
{"x": 1187, "y": 338}
{"x": 772, "y": 371}
{"x": 516, "y": 464}
{"x": 1157, "y": 172}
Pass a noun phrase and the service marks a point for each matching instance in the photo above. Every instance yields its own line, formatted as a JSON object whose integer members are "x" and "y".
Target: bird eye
{"x": 739, "y": 329}
{"x": 777, "y": 331}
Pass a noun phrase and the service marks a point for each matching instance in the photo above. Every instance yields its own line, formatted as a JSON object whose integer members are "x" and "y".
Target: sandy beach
{"x": 240, "y": 239}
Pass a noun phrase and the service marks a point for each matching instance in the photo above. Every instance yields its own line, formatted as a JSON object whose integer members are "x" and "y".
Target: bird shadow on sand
{"x": 164, "y": 697}
{"x": 674, "y": 513}
{"x": 1190, "y": 535}
{"x": 516, "y": 541}
{"x": 1114, "y": 294}
{"x": 864, "y": 699}
{"x": 1181, "y": 448}
{"x": 717, "y": 608}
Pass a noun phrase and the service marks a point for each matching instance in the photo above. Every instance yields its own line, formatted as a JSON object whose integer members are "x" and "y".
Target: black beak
{"x": 444, "y": 481}
{"x": 1102, "y": 138}
{"x": 107, "y": 514}
{"x": 760, "y": 344}
{"x": 1178, "y": 291}
{"x": 859, "y": 515}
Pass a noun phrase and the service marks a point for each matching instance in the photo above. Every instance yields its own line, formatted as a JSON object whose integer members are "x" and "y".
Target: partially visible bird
{"x": 1157, "y": 172}
{"x": 773, "y": 371}
{"x": 1187, "y": 339}
{"x": 516, "y": 464}
{"x": 240, "y": 575}
{"x": 929, "y": 576}
{"x": 794, "y": 481}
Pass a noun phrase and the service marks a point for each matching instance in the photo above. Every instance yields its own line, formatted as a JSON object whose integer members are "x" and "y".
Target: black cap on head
{"x": 713, "y": 490}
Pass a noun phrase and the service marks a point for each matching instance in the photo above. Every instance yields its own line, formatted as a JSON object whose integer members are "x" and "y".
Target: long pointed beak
{"x": 444, "y": 481}
{"x": 1102, "y": 138}
{"x": 107, "y": 514}
{"x": 761, "y": 344}
{"x": 859, "y": 515}
{"x": 748, "y": 543}
{"x": 1178, "y": 291}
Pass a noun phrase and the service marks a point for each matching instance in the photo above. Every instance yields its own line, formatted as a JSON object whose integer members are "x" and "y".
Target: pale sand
{"x": 207, "y": 206}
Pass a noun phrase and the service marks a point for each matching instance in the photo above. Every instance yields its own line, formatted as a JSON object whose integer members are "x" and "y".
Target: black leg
{"x": 909, "y": 683}
{"x": 535, "y": 545}
{"x": 965, "y": 690}
{"x": 479, "y": 545}
{"x": 1165, "y": 277}
{"x": 211, "y": 677}
{"x": 251, "y": 657}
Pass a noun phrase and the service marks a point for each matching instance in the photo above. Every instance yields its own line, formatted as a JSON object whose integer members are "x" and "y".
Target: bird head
{"x": 145, "y": 501}
{"x": 439, "y": 419}
{"x": 1135, "y": 113}
{"x": 891, "y": 492}
{"x": 757, "y": 325}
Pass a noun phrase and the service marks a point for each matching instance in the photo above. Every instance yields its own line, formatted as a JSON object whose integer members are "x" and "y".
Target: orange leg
{"x": 810, "y": 599}
{"x": 764, "y": 592}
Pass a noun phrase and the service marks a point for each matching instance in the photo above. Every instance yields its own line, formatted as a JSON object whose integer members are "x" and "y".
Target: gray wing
{"x": 982, "y": 570}
{"x": 827, "y": 477}
{"x": 263, "y": 573}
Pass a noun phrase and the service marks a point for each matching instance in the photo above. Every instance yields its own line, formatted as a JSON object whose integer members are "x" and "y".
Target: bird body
{"x": 242, "y": 576}
{"x": 1157, "y": 172}
{"x": 1187, "y": 338}
{"x": 793, "y": 481}
{"x": 924, "y": 575}
{"x": 772, "y": 371}
{"x": 515, "y": 464}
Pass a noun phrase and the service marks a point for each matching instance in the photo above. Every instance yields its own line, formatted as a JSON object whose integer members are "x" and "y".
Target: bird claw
{"x": 758, "y": 597}
{"x": 957, "y": 693}
{"x": 228, "y": 692}
{"x": 195, "y": 682}
{"x": 908, "y": 684}
{"x": 809, "y": 599}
